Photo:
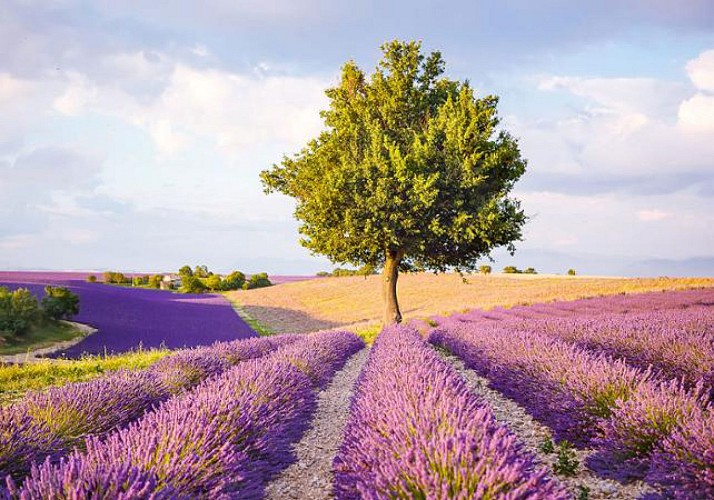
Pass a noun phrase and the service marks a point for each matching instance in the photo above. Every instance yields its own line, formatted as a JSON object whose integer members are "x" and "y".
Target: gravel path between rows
{"x": 532, "y": 434}
{"x": 310, "y": 476}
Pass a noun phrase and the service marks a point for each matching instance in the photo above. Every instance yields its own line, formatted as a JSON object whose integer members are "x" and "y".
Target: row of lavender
{"x": 643, "y": 425}
{"x": 675, "y": 338}
{"x": 221, "y": 439}
{"x": 50, "y": 423}
{"x": 416, "y": 431}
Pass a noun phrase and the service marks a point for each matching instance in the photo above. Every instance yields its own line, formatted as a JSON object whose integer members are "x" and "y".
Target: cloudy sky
{"x": 132, "y": 132}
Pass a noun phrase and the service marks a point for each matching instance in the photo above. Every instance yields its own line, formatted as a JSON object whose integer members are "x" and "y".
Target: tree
{"x": 60, "y": 303}
{"x": 155, "y": 281}
{"x": 511, "y": 270}
{"x": 201, "y": 271}
{"x": 214, "y": 282}
{"x": 19, "y": 309}
{"x": 234, "y": 281}
{"x": 192, "y": 284}
{"x": 571, "y": 272}
{"x": 410, "y": 172}
{"x": 258, "y": 280}
{"x": 530, "y": 270}
{"x": 485, "y": 269}
{"x": 185, "y": 271}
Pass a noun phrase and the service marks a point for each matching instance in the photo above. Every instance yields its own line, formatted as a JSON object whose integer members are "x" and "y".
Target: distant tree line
{"x": 190, "y": 280}
{"x": 20, "y": 310}
{"x": 365, "y": 270}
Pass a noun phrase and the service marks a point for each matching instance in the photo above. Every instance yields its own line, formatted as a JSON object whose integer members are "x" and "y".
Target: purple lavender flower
{"x": 416, "y": 431}
{"x": 221, "y": 439}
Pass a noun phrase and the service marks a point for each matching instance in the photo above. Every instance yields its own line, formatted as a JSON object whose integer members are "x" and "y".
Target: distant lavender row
{"x": 220, "y": 440}
{"x": 416, "y": 431}
{"x": 50, "y": 423}
{"x": 676, "y": 343}
{"x": 128, "y": 317}
{"x": 585, "y": 397}
{"x": 599, "y": 306}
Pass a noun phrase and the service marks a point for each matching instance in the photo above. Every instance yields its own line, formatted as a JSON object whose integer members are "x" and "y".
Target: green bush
{"x": 485, "y": 269}
{"x": 60, "y": 303}
{"x": 259, "y": 280}
{"x": 234, "y": 281}
{"x": 530, "y": 270}
{"x": 115, "y": 278}
{"x": 92, "y": 278}
{"x": 511, "y": 270}
{"x": 19, "y": 310}
{"x": 192, "y": 284}
{"x": 154, "y": 281}
{"x": 571, "y": 272}
{"x": 214, "y": 283}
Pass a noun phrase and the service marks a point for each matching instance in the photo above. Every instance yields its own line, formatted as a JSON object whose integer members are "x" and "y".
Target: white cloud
{"x": 701, "y": 70}
{"x": 229, "y": 110}
{"x": 652, "y": 215}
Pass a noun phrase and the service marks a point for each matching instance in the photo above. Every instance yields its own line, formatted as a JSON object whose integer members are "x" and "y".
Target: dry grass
{"x": 355, "y": 302}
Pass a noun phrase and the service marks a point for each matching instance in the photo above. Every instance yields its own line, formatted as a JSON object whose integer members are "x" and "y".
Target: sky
{"x": 132, "y": 132}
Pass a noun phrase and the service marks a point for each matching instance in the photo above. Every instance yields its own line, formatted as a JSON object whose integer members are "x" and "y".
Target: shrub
{"x": 571, "y": 272}
{"x": 19, "y": 309}
{"x": 530, "y": 270}
{"x": 155, "y": 281}
{"x": 115, "y": 277}
{"x": 214, "y": 283}
{"x": 60, "y": 303}
{"x": 511, "y": 270}
{"x": 234, "y": 281}
{"x": 485, "y": 269}
{"x": 92, "y": 278}
{"x": 259, "y": 280}
{"x": 192, "y": 284}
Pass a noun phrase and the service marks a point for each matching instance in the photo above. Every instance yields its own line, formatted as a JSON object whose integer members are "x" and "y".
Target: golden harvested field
{"x": 356, "y": 301}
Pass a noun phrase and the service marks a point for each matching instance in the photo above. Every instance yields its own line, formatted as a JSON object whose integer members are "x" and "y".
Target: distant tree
{"x": 412, "y": 172}
{"x": 258, "y": 280}
{"x": 192, "y": 284}
{"x": 214, "y": 283}
{"x": 234, "y": 281}
{"x": 155, "y": 281}
{"x": 530, "y": 270}
{"x": 571, "y": 272}
{"x": 485, "y": 269}
{"x": 185, "y": 271}
{"x": 60, "y": 303}
{"x": 115, "y": 278}
{"x": 511, "y": 270}
{"x": 19, "y": 310}
{"x": 201, "y": 272}
{"x": 92, "y": 278}
{"x": 323, "y": 274}
{"x": 137, "y": 281}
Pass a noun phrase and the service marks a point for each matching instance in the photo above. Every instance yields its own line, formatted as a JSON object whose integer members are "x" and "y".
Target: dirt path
{"x": 29, "y": 357}
{"x": 311, "y": 474}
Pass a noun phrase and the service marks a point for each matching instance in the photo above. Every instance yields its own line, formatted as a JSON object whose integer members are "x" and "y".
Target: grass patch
{"x": 256, "y": 325}
{"x": 46, "y": 334}
{"x": 16, "y": 380}
{"x": 369, "y": 333}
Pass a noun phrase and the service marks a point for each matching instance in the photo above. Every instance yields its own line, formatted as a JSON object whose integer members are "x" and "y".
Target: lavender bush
{"x": 222, "y": 439}
{"x": 48, "y": 424}
{"x": 584, "y": 397}
{"x": 685, "y": 461}
{"x": 416, "y": 431}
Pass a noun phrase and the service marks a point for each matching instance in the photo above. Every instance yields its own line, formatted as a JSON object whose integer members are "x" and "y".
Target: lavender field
{"x": 463, "y": 409}
{"x": 128, "y": 317}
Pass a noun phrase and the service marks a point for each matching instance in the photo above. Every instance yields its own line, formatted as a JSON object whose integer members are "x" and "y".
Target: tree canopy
{"x": 410, "y": 173}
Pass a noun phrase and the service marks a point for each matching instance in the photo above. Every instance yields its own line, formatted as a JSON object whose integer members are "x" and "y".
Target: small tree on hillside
{"x": 410, "y": 173}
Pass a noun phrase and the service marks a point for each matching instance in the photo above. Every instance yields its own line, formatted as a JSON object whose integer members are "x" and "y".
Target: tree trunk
{"x": 390, "y": 274}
